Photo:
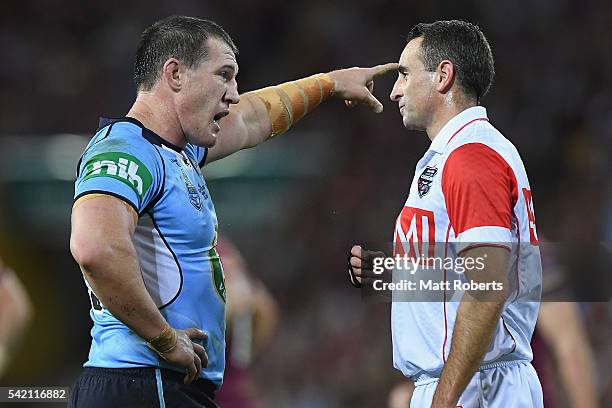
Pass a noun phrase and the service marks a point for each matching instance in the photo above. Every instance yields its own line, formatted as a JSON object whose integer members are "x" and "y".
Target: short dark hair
{"x": 180, "y": 37}
{"x": 464, "y": 45}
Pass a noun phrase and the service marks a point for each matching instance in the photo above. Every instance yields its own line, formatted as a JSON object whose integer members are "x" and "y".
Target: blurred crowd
{"x": 69, "y": 62}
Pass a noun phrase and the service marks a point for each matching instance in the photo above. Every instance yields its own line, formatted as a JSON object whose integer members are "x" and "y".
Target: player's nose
{"x": 232, "y": 95}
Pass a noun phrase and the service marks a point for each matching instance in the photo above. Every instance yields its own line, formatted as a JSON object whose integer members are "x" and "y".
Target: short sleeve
{"x": 122, "y": 164}
{"x": 480, "y": 191}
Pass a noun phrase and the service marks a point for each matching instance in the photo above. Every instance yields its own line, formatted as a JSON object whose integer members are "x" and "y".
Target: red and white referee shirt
{"x": 469, "y": 189}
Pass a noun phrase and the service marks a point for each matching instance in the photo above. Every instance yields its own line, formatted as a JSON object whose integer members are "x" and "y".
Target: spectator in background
{"x": 562, "y": 352}
{"x": 252, "y": 319}
{"x": 15, "y": 313}
{"x": 561, "y": 328}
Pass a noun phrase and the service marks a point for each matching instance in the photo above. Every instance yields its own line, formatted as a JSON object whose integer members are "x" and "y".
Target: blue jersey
{"x": 175, "y": 239}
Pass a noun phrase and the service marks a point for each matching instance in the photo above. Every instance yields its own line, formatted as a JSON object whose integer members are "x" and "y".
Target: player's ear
{"x": 445, "y": 77}
{"x": 171, "y": 74}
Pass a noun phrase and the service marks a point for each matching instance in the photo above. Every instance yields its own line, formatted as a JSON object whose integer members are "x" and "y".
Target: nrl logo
{"x": 194, "y": 196}
{"x": 425, "y": 180}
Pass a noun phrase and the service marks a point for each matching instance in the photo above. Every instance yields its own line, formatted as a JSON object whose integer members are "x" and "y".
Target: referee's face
{"x": 414, "y": 88}
{"x": 206, "y": 94}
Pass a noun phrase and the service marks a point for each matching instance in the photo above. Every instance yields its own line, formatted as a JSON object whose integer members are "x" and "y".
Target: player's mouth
{"x": 217, "y": 118}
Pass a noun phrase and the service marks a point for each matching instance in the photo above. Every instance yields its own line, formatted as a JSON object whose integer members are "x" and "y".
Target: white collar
{"x": 455, "y": 125}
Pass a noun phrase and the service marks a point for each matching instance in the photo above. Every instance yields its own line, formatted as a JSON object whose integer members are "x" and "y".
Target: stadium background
{"x": 294, "y": 206}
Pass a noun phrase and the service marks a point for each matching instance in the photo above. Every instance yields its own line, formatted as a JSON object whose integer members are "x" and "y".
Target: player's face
{"x": 206, "y": 94}
{"x": 414, "y": 88}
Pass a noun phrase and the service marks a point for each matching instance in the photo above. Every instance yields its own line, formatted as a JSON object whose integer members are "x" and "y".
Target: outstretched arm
{"x": 270, "y": 111}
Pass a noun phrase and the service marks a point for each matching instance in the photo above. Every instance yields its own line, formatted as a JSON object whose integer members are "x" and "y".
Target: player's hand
{"x": 355, "y": 85}
{"x": 361, "y": 265}
{"x": 188, "y": 354}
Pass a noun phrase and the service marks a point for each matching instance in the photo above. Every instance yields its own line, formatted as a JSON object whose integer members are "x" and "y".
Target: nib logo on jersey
{"x": 120, "y": 166}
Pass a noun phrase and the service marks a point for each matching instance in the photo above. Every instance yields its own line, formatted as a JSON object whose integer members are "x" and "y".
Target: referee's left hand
{"x": 361, "y": 266}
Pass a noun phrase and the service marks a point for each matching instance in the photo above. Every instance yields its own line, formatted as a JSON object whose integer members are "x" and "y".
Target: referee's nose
{"x": 397, "y": 92}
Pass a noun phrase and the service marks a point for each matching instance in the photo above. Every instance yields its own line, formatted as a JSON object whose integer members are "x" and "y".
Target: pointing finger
{"x": 384, "y": 68}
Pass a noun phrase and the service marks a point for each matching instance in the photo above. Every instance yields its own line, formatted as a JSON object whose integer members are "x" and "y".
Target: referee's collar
{"x": 455, "y": 125}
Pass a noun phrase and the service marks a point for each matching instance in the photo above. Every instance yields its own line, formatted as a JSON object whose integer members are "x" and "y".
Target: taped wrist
{"x": 165, "y": 342}
{"x": 289, "y": 102}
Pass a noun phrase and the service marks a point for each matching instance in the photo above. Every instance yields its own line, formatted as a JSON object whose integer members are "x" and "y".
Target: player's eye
{"x": 225, "y": 75}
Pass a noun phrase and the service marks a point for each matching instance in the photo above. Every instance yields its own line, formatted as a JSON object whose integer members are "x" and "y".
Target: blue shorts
{"x": 139, "y": 387}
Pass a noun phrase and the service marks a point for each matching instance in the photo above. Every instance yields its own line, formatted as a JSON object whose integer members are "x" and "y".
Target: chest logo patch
{"x": 426, "y": 179}
{"x": 194, "y": 195}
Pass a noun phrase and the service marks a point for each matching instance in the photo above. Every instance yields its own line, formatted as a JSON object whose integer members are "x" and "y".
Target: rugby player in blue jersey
{"x": 144, "y": 229}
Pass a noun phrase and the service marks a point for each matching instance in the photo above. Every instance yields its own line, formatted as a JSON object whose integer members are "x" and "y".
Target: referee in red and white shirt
{"x": 470, "y": 198}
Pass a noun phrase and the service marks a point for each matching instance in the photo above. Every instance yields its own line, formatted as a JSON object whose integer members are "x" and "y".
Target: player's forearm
{"x": 578, "y": 379}
{"x": 271, "y": 111}
{"x": 266, "y": 317}
{"x": 255, "y": 121}
{"x": 472, "y": 334}
{"x": 114, "y": 276}
{"x": 287, "y": 103}
{"x": 268, "y": 112}
{"x": 15, "y": 310}
{"x": 571, "y": 351}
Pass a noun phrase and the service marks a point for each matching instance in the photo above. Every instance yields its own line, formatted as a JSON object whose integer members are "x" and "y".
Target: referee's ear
{"x": 445, "y": 76}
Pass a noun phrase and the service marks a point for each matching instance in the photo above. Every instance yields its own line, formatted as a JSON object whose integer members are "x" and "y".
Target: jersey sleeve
{"x": 123, "y": 167}
{"x": 480, "y": 191}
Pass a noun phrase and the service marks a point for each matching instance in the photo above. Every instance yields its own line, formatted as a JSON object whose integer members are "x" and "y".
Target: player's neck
{"x": 442, "y": 116}
{"x": 158, "y": 117}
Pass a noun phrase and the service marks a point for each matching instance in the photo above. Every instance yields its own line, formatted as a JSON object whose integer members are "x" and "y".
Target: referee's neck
{"x": 443, "y": 115}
